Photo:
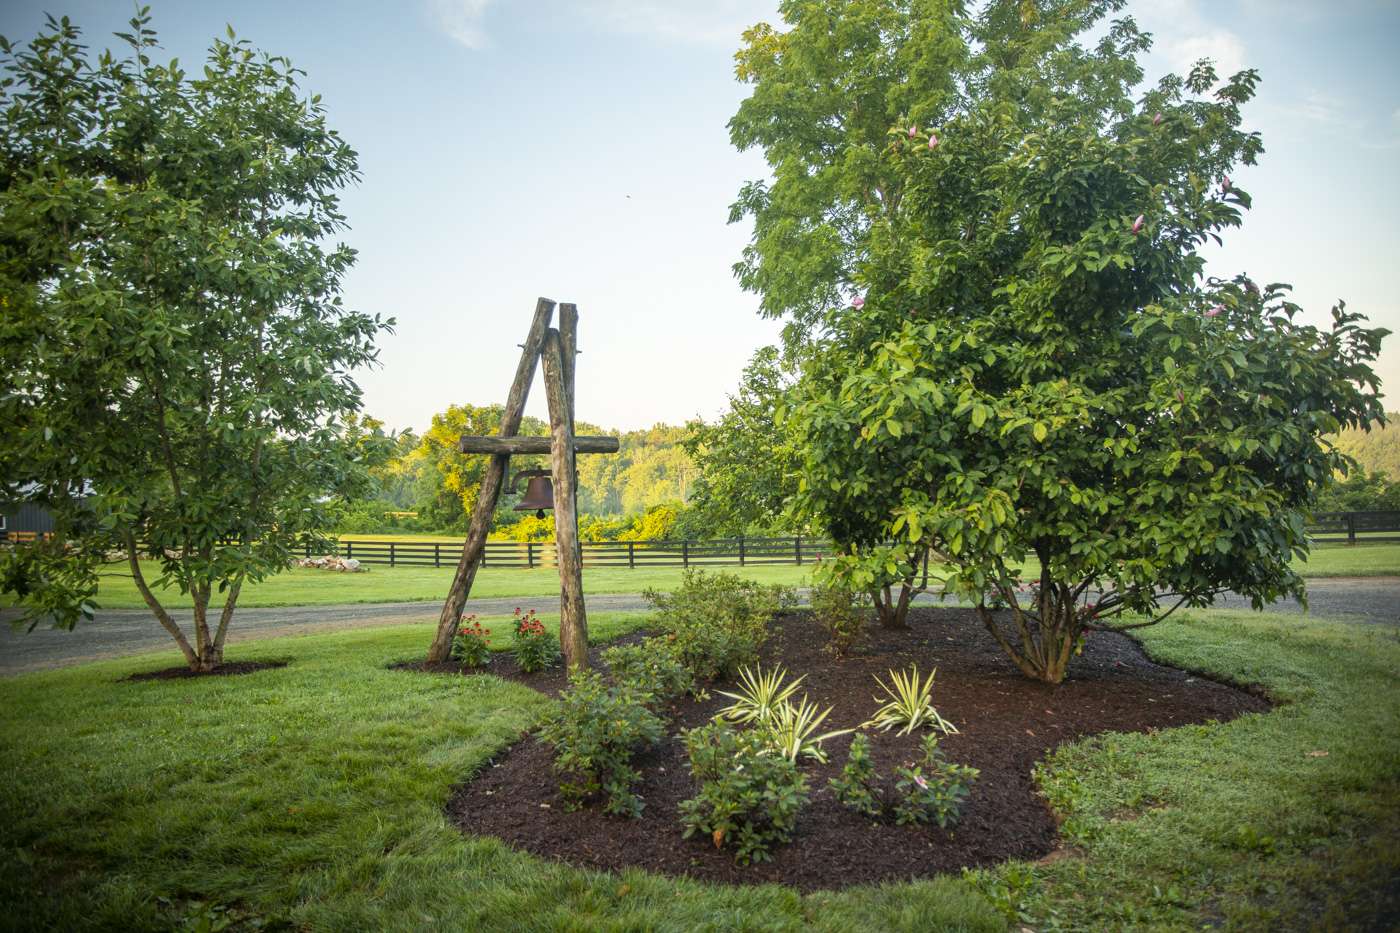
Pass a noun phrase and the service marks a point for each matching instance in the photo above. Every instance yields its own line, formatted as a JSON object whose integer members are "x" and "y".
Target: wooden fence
{"x": 1326, "y": 528}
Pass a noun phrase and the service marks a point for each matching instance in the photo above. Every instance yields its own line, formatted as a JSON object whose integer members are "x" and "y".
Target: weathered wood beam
{"x": 491, "y": 483}
{"x": 474, "y": 444}
{"x": 573, "y": 619}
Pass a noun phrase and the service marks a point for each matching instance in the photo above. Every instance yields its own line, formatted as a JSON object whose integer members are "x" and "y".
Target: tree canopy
{"x": 175, "y": 359}
{"x": 985, "y": 243}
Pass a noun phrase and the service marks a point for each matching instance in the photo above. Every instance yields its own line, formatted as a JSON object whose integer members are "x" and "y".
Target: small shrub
{"x": 718, "y": 621}
{"x": 937, "y": 795}
{"x": 469, "y": 644}
{"x": 748, "y": 797}
{"x": 792, "y": 730}
{"x": 535, "y": 647}
{"x": 844, "y": 616}
{"x": 910, "y": 704}
{"x": 595, "y": 730}
{"x": 653, "y": 668}
{"x": 759, "y": 696}
{"x": 857, "y": 788}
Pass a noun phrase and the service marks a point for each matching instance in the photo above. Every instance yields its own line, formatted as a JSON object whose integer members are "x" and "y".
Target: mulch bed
{"x": 550, "y": 681}
{"x": 227, "y": 669}
{"x": 1006, "y": 724}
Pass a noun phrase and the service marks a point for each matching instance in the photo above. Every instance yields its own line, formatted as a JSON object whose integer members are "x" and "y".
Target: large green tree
{"x": 985, "y": 242}
{"x": 174, "y": 356}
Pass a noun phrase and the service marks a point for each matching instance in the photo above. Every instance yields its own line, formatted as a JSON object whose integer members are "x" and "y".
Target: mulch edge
{"x": 227, "y": 669}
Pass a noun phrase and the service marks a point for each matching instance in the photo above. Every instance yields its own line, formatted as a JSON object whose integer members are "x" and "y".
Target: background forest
{"x": 655, "y": 486}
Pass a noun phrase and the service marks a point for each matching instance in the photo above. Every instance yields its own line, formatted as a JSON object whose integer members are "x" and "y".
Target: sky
{"x": 578, "y": 150}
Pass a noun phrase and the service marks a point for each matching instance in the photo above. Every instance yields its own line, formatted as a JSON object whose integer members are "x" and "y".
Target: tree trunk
{"x": 1043, "y": 649}
{"x": 163, "y": 617}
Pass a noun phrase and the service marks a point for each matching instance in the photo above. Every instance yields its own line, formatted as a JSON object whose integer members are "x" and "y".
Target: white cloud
{"x": 1324, "y": 108}
{"x": 1220, "y": 45}
{"x": 461, "y": 19}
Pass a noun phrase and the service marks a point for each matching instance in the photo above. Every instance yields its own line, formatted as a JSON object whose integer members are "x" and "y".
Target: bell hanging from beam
{"x": 539, "y": 493}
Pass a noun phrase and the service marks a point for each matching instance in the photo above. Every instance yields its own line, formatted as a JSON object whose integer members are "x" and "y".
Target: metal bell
{"x": 539, "y": 494}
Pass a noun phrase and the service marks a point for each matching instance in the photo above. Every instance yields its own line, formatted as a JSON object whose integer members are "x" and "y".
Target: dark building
{"x": 25, "y": 519}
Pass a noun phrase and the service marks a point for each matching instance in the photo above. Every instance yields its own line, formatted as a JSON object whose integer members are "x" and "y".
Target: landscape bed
{"x": 1006, "y": 724}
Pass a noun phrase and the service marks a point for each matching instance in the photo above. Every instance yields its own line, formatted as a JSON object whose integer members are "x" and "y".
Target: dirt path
{"x": 120, "y": 632}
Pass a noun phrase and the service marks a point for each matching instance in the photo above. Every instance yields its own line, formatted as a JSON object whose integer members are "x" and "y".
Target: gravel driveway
{"x": 117, "y": 632}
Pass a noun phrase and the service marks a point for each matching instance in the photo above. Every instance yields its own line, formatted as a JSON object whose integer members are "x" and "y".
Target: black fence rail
{"x": 743, "y": 552}
{"x": 1353, "y": 527}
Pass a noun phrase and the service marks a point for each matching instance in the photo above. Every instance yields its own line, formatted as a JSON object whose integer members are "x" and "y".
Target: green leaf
{"x": 1040, "y": 431}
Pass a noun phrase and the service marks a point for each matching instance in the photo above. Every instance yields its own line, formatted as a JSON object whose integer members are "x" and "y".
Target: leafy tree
{"x": 1376, "y": 447}
{"x": 1034, "y": 366}
{"x": 746, "y": 464}
{"x": 450, "y": 480}
{"x": 174, "y": 354}
{"x": 1361, "y": 492}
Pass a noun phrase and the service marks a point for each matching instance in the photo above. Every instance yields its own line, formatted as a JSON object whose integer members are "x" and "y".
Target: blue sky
{"x": 578, "y": 150}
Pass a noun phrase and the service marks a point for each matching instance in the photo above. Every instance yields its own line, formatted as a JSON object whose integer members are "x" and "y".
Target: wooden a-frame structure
{"x": 557, "y": 349}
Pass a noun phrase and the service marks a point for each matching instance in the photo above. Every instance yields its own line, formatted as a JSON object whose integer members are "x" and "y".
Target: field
{"x": 312, "y": 797}
{"x": 302, "y": 587}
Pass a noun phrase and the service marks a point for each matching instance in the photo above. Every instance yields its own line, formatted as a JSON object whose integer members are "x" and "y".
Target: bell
{"x": 539, "y": 494}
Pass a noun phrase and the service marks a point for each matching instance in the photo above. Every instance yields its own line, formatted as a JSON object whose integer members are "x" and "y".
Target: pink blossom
{"x": 1216, "y": 311}
{"x": 1156, "y": 119}
{"x": 1137, "y": 224}
{"x": 919, "y": 779}
{"x": 1180, "y": 396}
{"x": 933, "y": 140}
{"x": 1225, "y": 183}
{"x": 913, "y": 131}
{"x": 857, "y": 302}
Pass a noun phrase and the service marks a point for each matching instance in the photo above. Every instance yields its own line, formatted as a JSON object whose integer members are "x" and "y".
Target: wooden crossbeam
{"x": 516, "y": 446}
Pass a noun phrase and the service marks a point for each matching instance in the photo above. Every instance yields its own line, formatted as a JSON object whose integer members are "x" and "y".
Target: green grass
{"x": 312, "y": 796}
{"x": 302, "y": 587}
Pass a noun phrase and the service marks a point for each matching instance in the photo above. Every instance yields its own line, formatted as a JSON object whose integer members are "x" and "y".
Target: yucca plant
{"x": 760, "y": 695}
{"x": 908, "y": 702}
{"x": 791, "y": 731}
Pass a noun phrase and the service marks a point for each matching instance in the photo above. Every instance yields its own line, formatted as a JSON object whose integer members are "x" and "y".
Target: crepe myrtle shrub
{"x": 1017, "y": 355}
{"x": 653, "y": 667}
{"x": 595, "y": 730}
{"x": 469, "y": 643}
{"x": 717, "y": 622}
{"x": 748, "y": 797}
{"x": 535, "y": 647}
{"x": 175, "y": 358}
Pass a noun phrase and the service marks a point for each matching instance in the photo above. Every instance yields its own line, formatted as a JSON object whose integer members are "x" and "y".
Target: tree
{"x": 1032, "y": 366}
{"x": 747, "y": 467}
{"x": 174, "y": 356}
{"x": 450, "y": 480}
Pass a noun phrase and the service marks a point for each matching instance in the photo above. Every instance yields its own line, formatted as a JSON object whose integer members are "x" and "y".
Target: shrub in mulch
{"x": 227, "y": 669}
{"x": 1006, "y": 723}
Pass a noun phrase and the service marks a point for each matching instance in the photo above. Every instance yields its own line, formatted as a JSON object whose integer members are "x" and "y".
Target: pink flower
{"x": 933, "y": 140}
{"x": 919, "y": 779}
{"x": 1216, "y": 311}
{"x": 1180, "y": 396}
{"x": 913, "y": 131}
{"x": 1156, "y": 119}
{"x": 1137, "y": 224}
{"x": 857, "y": 302}
{"x": 1225, "y": 183}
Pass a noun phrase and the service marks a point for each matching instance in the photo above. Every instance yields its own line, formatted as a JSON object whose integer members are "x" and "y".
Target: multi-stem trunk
{"x": 1045, "y": 641}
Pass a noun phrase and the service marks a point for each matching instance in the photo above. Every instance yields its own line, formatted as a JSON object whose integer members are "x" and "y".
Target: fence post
{"x": 741, "y": 550}
{"x": 631, "y": 555}
{"x": 349, "y": 549}
{"x": 797, "y": 549}
{"x": 530, "y": 555}
{"x": 924, "y": 584}
{"x": 1351, "y": 528}
{"x": 685, "y": 552}
{"x": 391, "y": 553}
{"x": 437, "y": 554}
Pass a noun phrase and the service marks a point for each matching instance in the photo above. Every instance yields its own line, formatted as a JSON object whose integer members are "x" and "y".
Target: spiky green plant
{"x": 760, "y": 695}
{"x": 908, "y": 702}
{"x": 791, "y": 730}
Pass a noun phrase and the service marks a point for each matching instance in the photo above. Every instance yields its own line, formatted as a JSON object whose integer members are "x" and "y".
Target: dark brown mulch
{"x": 1007, "y": 723}
{"x": 227, "y": 669}
{"x": 502, "y": 664}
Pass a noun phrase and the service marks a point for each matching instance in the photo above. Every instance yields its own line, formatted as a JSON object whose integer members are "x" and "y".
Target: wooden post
{"x": 530, "y": 555}
{"x": 573, "y": 619}
{"x": 491, "y": 482}
{"x": 797, "y": 549}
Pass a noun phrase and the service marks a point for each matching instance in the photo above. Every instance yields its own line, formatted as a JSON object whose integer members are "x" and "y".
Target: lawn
{"x": 303, "y": 587}
{"x": 311, "y": 797}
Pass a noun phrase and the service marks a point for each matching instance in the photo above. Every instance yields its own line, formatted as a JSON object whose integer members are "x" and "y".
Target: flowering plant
{"x": 936, "y": 796}
{"x": 469, "y": 644}
{"x": 535, "y": 648}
